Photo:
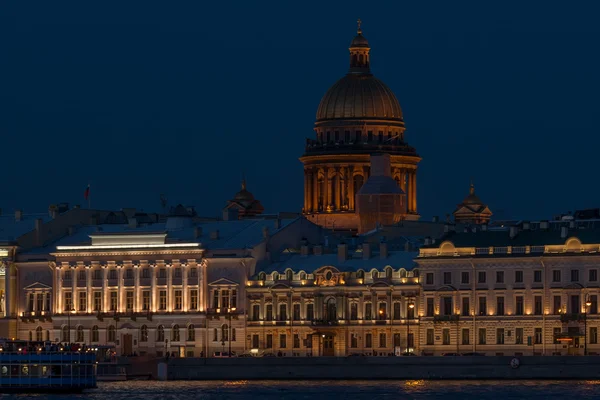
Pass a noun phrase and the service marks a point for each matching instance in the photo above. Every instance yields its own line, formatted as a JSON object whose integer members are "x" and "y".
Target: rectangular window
{"x": 283, "y": 312}
{"x": 396, "y": 340}
{"x": 429, "y": 307}
{"x": 68, "y": 301}
{"x": 234, "y": 298}
{"x": 519, "y": 336}
{"x": 48, "y": 302}
{"x": 411, "y": 340}
{"x": 128, "y": 273}
{"x": 146, "y": 300}
{"x": 146, "y": 272}
{"x": 97, "y": 274}
{"x": 178, "y": 300}
{"x": 518, "y": 276}
{"x": 445, "y": 336}
{"x": 30, "y": 302}
{"x": 574, "y": 275}
{"x": 177, "y": 272}
{"x": 162, "y": 273}
{"x": 129, "y": 301}
{"x": 382, "y": 340}
{"x": 538, "y": 335}
{"x": 269, "y": 312}
{"x": 537, "y": 276}
{"x": 282, "y": 341}
{"x": 296, "y": 343}
{"x": 499, "y": 276}
{"x": 255, "y": 341}
{"x": 194, "y": 299}
{"x": 466, "y": 309}
{"x": 429, "y": 278}
{"x": 40, "y": 302}
{"x": 310, "y": 312}
{"x": 481, "y": 277}
{"x": 555, "y": 335}
{"x": 519, "y": 306}
{"x": 464, "y": 278}
{"x": 447, "y": 278}
{"x": 465, "y": 336}
{"x": 255, "y": 312}
{"x": 215, "y": 302}
{"x": 162, "y": 300}
{"x": 382, "y": 311}
{"x": 82, "y": 275}
{"x": 537, "y": 309}
{"x": 269, "y": 344}
{"x": 556, "y": 275}
{"x": 482, "y": 336}
{"x": 353, "y": 311}
{"x": 482, "y": 306}
{"x": 113, "y": 301}
{"x": 500, "y": 336}
{"x": 575, "y": 307}
{"x": 296, "y": 312}
{"x": 500, "y": 305}
{"x": 368, "y": 340}
{"x": 225, "y": 299}
{"x": 112, "y": 274}
{"x": 447, "y": 305}
{"x": 593, "y": 275}
{"x": 354, "y": 341}
{"x": 593, "y": 335}
{"x": 430, "y": 336}
{"x": 396, "y": 311}
{"x": 193, "y": 273}
{"x": 594, "y": 306}
{"x": 98, "y": 301}
{"x": 368, "y": 311}
{"x": 557, "y": 305}
{"x": 82, "y": 301}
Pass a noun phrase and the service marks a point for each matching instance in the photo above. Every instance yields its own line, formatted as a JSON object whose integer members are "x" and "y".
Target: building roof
{"x": 11, "y": 229}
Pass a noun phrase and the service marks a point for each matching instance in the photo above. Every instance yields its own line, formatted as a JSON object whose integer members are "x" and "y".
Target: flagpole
{"x": 89, "y": 197}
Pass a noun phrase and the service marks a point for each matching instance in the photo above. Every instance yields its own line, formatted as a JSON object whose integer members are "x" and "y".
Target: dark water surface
{"x": 345, "y": 390}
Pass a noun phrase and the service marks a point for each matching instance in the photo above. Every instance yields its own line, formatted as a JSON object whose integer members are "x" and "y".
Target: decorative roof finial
{"x": 243, "y": 181}
{"x": 358, "y": 30}
{"x": 472, "y": 189}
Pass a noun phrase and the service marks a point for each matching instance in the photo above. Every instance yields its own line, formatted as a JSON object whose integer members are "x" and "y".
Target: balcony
{"x": 446, "y": 318}
{"x": 564, "y": 318}
{"x": 322, "y": 322}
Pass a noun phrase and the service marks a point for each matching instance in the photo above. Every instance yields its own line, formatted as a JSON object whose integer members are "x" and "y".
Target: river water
{"x": 346, "y": 390}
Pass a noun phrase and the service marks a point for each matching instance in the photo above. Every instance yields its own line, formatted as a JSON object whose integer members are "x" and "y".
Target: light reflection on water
{"x": 291, "y": 390}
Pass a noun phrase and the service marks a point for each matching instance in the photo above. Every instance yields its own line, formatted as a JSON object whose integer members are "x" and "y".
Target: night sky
{"x": 142, "y": 98}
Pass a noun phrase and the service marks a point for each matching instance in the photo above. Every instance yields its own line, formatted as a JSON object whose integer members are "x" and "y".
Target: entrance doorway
{"x": 328, "y": 350}
{"x": 127, "y": 347}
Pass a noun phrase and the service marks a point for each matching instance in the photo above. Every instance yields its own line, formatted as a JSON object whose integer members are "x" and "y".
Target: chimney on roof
{"x": 526, "y": 225}
{"x": 564, "y": 231}
{"x": 366, "y": 250}
{"x": 132, "y": 222}
{"x": 342, "y": 252}
{"x": 197, "y": 232}
{"x": 435, "y": 219}
{"x": 544, "y": 225}
{"x": 53, "y": 211}
{"x": 230, "y": 214}
{"x": 408, "y": 246}
{"x": 484, "y": 227}
{"x": 318, "y": 249}
{"x": 18, "y": 215}
{"x": 572, "y": 224}
{"x": 265, "y": 232}
{"x": 513, "y": 231}
{"x": 383, "y": 250}
{"x": 277, "y": 223}
{"x": 304, "y": 250}
{"x": 214, "y": 235}
{"x": 427, "y": 241}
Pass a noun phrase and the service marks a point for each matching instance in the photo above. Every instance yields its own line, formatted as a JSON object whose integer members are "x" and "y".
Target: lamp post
{"x": 588, "y": 304}
{"x": 229, "y": 311}
{"x": 69, "y": 310}
{"x": 411, "y": 307}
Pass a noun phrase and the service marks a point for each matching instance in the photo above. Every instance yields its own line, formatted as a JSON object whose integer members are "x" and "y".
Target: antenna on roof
{"x": 163, "y": 202}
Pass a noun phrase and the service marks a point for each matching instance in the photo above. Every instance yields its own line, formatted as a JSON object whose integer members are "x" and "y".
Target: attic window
{"x": 328, "y": 275}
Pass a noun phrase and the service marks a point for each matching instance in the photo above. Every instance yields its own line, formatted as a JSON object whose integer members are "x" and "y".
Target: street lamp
{"x": 411, "y": 306}
{"x": 588, "y": 304}
{"x": 229, "y": 311}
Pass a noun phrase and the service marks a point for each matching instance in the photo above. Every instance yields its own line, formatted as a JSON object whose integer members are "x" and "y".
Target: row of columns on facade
{"x": 339, "y": 191}
{"x": 137, "y": 297}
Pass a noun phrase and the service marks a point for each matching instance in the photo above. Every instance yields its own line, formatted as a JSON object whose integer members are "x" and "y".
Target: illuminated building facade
{"x": 472, "y": 210}
{"x": 358, "y": 116}
{"x": 520, "y": 290}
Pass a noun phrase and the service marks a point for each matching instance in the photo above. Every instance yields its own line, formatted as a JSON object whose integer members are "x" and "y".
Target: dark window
{"x": 269, "y": 344}
{"x": 269, "y": 312}
{"x": 464, "y": 278}
{"x": 537, "y": 276}
{"x": 354, "y": 311}
{"x": 368, "y": 340}
{"x": 282, "y": 341}
{"x": 594, "y": 306}
{"x": 500, "y": 306}
{"x": 429, "y": 278}
{"x": 593, "y": 275}
{"x": 482, "y": 336}
{"x": 296, "y": 343}
{"x": 465, "y": 336}
{"x": 430, "y": 335}
{"x": 481, "y": 277}
{"x": 255, "y": 312}
{"x": 537, "y": 309}
{"x": 538, "y": 335}
{"x": 555, "y": 333}
{"x": 310, "y": 312}
{"x": 447, "y": 305}
{"x": 396, "y": 311}
{"x": 574, "y": 275}
{"x": 593, "y": 335}
{"x": 482, "y": 306}
{"x": 368, "y": 311}
{"x": 447, "y": 278}
{"x": 465, "y": 307}
{"x": 283, "y": 312}
{"x": 500, "y": 336}
{"x": 430, "y": 307}
{"x": 519, "y": 336}
{"x": 128, "y": 273}
{"x": 499, "y": 276}
{"x": 557, "y": 306}
{"x": 518, "y": 276}
{"x": 556, "y": 275}
{"x": 575, "y": 306}
{"x": 396, "y": 340}
{"x": 296, "y": 312}
{"x": 519, "y": 305}
{"x": 445, "y": 336}
{"x": 382, "y": 340}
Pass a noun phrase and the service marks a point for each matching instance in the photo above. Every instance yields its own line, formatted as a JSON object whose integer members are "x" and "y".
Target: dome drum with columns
{"x": 357, "y": 117}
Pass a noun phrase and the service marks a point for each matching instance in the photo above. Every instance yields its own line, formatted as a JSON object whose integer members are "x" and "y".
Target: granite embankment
{"x": 528, "y": 367}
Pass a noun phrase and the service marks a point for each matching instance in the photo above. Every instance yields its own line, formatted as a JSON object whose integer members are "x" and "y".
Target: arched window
{"x": 191, "y": 333}
{"x": 215, "y": 335}
{"x": 175, "y": 333}
{"x": 65, "y": 334}
{"x": 275, "y": 276}
{"x": 224, "y": 333}
{"x": 112, "y": 334}
{"x": 415, "y": 272}
{"x": 302, "y": 275}
{"x": 360, "y": 274}
{"x": 160, "y": 333}
{"x": 402, "y": 273}
{"x": 144, "y": 333}
{"x": 79, "y": 337}
{"x": 262, "y": 276}
{"x": 328, "y": 275}
{"x": 374, "y": 274}
{"x": 331, "y": 310}
{"x": 289, "y": 275}
{"x": 30, "y": 336}
{"x": 95, "y": 334}
{"x": 388, "y": 272}
{"x": 38, "y": 334}
{"x": 47, "y": 335}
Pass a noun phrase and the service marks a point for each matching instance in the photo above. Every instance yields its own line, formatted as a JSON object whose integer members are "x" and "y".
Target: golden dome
{"x": 359, "y": 96}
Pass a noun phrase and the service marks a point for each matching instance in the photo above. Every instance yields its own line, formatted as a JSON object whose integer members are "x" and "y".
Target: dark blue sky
{"x": 140, "y": 98}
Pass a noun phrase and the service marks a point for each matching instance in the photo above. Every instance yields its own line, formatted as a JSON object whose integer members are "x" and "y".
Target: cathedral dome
{"x": 359, "y": 96}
